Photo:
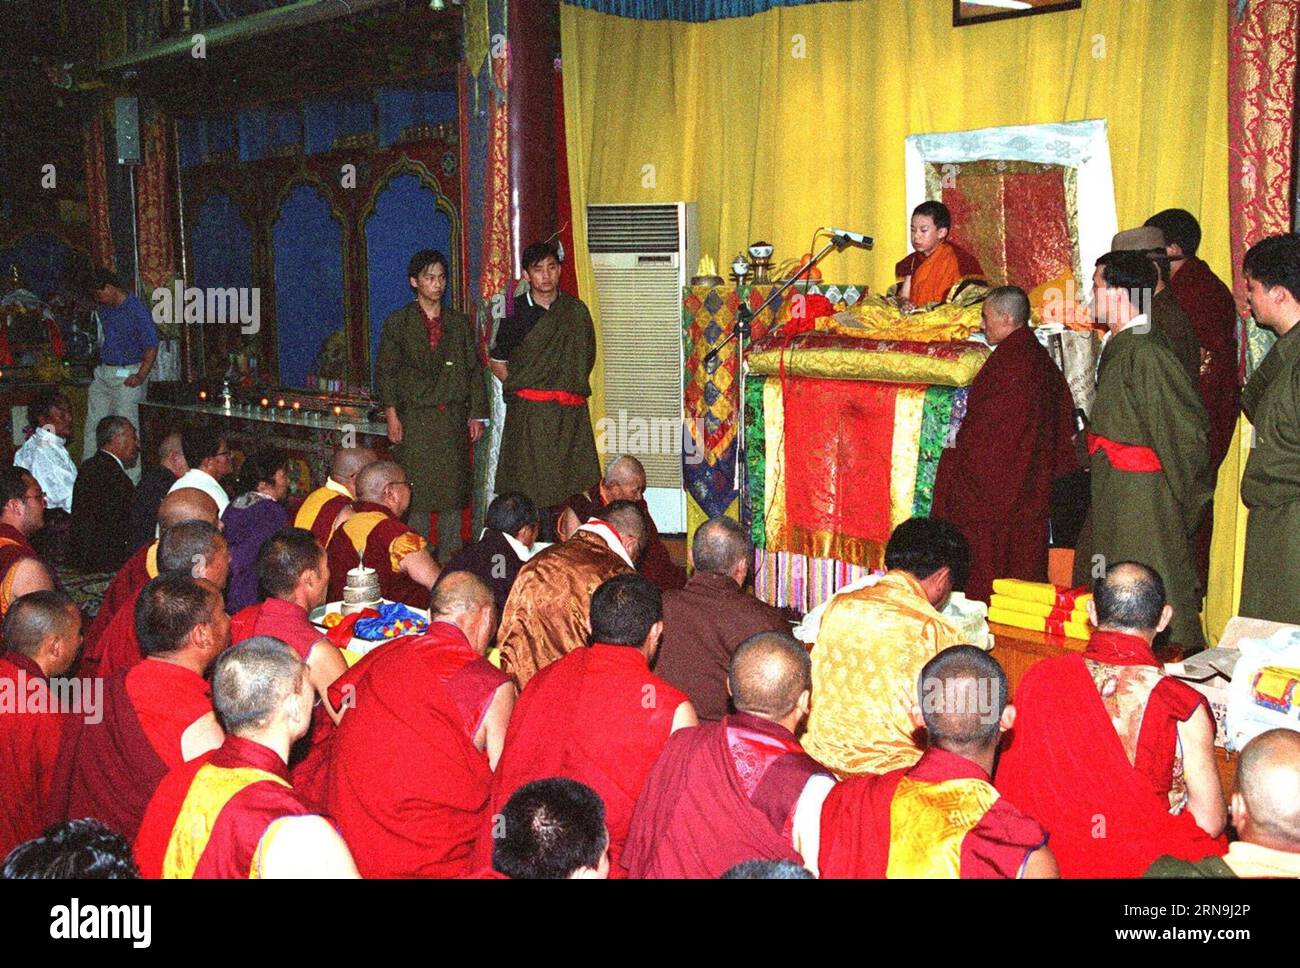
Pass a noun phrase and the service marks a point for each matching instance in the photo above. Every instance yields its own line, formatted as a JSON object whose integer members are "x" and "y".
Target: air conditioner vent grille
{"x": 633, "y": 228}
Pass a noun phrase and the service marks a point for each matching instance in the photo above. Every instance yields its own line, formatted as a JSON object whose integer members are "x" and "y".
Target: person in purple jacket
{"x": 256, "y": 514}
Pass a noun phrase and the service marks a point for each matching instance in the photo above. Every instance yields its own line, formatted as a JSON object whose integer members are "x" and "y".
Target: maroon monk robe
{"x": 655, "y": 564}
{"x": 996, "y": 483}
{"x": 597, "y": 716}
{"x": 381, "y": 531}
{"x": 124, "y": 588}
{"x": 119, "y": 646}
{"x": 29, "y": 746}
{"x": 403, "y": 778}
{"x": 719, "y": 794}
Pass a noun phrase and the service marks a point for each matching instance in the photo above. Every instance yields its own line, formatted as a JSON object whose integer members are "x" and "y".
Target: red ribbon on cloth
{"x": 562, "y": 397}
{"x": 1067, "y": 597}
{"x": 1125, "y": 457}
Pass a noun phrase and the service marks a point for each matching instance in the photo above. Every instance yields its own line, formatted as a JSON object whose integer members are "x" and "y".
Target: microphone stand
{"x": 740, "y": 333}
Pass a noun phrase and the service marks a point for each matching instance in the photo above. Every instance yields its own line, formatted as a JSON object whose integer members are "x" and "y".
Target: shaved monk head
{"x": 1268, "y": 783}
{"x": 1010, "y": 300}
{"x": 963, "y": 694}
{"x": 624, "y": 477}
{"x": 769, "y": 674}
{"x": 720, "y": 546}
{"x": 626, "y": 518}
{"x": 1129, "y": 597}
{"x": 465, "y": 600}
{"x": 256, "y": 681}
{"x": 376, "y": 476}
{"x": 348, "y": 463}
{"x": 187, "y": 504}
{"x": 45, "y": 626}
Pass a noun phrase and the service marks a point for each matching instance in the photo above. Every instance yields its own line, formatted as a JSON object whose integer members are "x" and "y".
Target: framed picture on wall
{"x": 966, "y": 12}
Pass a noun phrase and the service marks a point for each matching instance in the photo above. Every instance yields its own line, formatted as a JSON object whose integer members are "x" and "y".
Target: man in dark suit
{"x": 153, "y": 487}
{"x": 506, "y": 543}
{"x": 99, "y": 539}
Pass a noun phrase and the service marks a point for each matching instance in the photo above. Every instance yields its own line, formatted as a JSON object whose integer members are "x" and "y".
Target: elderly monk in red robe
{"x": 928, "y": 274}
{"x": 376, "y": 537}
{"x": 185, "y": 504}
{"x": 941, "y": 817}
{"x": 326, "y": 508}
{"x": 548, "y": 611}
{"x": 157, "y": 714}
{"x": 21, "y": 516}
{"x": 409, "y": 768}
{"x": 598, "y": 715}
{"x": 741, "y": 789}
{"x": 1017, "y": 438}
{"x": 624, "y": 481}
{"x": 1113, "y": 757}
{"x": 42, "y": 632}
{"x": 293, "y": 571}
{"x": 233, "y": 813}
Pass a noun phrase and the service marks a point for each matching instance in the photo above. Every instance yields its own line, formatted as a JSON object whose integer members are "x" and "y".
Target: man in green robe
{"x": 1270, "y": 487}
{"x": 430, "y": 383}
{"x": 1150, "y": 462}
{"x": 543, "y": 355}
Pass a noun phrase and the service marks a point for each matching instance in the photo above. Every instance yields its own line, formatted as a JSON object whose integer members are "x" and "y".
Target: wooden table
{"x": 1017, "y": 649}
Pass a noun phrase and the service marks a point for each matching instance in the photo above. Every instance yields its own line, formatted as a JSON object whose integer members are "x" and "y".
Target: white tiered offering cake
{"x": 361, "y": 590}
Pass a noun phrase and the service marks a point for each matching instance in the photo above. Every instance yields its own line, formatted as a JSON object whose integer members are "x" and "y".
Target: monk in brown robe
{"x": 624, "y": 481}
{"x": 377, "y": 537}
{"x": 323, "y": 509}
{"x": 740, "y": 789}
{"x": 543, "y": 355}
{"x": 548, "y": 611}
{"x": 995, "y": 485}
{"x": 21, "y": 516}
{"x": 42, "y": 632}
{"x": 941, "y": 817}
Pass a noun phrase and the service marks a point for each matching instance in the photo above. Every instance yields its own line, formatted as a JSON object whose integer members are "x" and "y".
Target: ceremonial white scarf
{"x": 610, "y": 537}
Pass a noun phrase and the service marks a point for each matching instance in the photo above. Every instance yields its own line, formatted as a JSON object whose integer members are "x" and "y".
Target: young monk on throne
{"x": 928, "y": 274}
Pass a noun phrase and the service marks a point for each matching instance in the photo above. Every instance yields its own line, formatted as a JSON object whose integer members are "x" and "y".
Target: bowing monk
{"x": 1270, "y": 487}
{"x": 293, "y": 571}
{"x": 192, "y": 548}
{"x": 548, "y": 612}
{"x": 543, "y": 355}
{"x": 597, "y": 715}
{"x": 740, "y": 789}
{"x": 871, "y": 646}
{"x": 1017, "y": 438}
{"x": 941, "y": 818}
{"x": 21, "y": 516}
{"x": 1150, "y": 466}
{"x": 1113, "y": 757}
{"x": 928, "y": 274}
{"x": 233, "y": 813}
{"x": 186, "y": 504}
{"x": 325, "y": 508}
{"x": 42, "y": 632}
{"x": 624, "y": 481}
{"x": 552, "y": 829}
{"x": 157, "y": 714}
{"x": 376, "y": 537}
{"x": 409, "y": 769}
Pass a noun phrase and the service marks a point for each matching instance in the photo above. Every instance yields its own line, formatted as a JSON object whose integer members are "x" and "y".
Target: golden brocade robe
{"x": 870, "y": 649}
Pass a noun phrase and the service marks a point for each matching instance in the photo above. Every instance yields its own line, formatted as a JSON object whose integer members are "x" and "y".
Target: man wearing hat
{"x": 1166, "y": 314}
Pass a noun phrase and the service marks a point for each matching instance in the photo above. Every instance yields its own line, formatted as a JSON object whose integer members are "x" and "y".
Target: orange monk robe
{"x": 934, "y": 275}
{"x": 30, "y": 728}
{"x": 548, "y": 612}
{"x": 320, "y": 509}
{"x": 870, "y": 649}
{"x": 598, "y": 716}
{"x": 140, "y": 569}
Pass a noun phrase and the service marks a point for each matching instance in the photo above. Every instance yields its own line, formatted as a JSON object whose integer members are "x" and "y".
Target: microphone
{"x": 852, "y": 238}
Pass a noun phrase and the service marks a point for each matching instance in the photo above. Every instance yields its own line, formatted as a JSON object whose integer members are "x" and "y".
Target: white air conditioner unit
{"x": 642, "y": 256}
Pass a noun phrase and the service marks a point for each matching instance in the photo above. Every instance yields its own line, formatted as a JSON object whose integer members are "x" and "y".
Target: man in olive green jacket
{"x": 431, "y": 384}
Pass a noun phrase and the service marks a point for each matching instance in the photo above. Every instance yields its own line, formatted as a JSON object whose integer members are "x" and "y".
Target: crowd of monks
{"x": 588, "y": 709}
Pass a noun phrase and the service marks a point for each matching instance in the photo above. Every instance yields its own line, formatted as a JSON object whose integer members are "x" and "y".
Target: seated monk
{"x": 548, "y": 611}
{"x": 292, "y": 570}
{"x": 192, "y": 548}
{"x": 187, "y": 504}
{"x": 928, "y": 274}
{"x": 1113, "y": 757}
{"x": 705, "y": 621}
{"x": 510, "y": 529}
{"x": 22, "y": 515}
{"x": 872, "y": 645}
{"x": 741, "y": 789}
{"x": 941, "y": 817}
{"x": 1265, "y": 814}
{"x": 74, "y": 850}
{"x": 325, "y": 508}
{"x": 42, "y": 632}
{"x": 624, "y": 481}
{"x": 554, "y": 830}
{"x": 233, "y": 813}
{"x": 597, "y": 715}
{"x": 995, "y": 484}
{"x": 408, "y": 770}
{"x": 156, "y": 715}
{"x": 376, "y": 537}
{"x": 154, "y": 484}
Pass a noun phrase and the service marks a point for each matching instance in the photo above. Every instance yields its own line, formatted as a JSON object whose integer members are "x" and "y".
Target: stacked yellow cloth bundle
{"x": 874, "y": 317}
{"x": 1040, "y": 607}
